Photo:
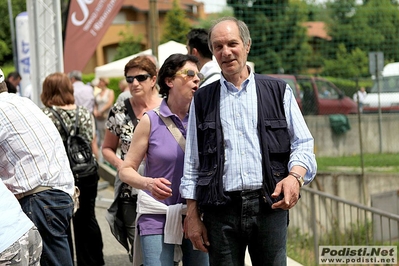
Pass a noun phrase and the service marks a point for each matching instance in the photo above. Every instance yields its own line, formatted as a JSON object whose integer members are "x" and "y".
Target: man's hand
{"x": 290, "y": 187}
{"x": 194, "y": 229}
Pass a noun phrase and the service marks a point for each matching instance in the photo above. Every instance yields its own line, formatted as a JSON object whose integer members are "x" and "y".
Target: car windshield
{"x": 387, "y": 84}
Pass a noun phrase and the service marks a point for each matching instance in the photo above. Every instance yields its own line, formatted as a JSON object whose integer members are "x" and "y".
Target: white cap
{"x": 1, "y": 76}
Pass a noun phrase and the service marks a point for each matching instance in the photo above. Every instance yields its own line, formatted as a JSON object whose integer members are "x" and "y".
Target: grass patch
{"x": 384, "y": 162}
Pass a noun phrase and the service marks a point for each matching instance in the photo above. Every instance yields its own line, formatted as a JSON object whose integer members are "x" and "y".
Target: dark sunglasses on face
{"x": 191, "y": 73}
{"x": 140, "y": 78}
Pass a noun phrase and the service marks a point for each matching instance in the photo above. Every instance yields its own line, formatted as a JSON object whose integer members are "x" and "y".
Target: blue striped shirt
{"x": 243, "y": 159}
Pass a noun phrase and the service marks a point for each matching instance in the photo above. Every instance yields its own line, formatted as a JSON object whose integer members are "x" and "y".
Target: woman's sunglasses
{"x": 140, "y": 78}
{"x": 191, "y": 73}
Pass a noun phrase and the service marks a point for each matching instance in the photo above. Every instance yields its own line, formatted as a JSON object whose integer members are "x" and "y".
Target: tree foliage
{"x": 279, "y": 40}
{"x": 372, "y": 26}
{"x": 348, "y": 65}
{"x": 129, "y": 45}
{"x": 6, "y": 50}
{"x": 206, "y": 23}
{"x": 176, "y": 25}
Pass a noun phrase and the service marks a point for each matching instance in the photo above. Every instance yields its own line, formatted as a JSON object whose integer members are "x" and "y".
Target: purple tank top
{"x": 164, "y": 159}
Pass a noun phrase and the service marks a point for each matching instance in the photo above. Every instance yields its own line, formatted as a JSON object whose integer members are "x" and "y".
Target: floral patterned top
{"x": 86, "y": 124}
{"x": 120, "y": 124}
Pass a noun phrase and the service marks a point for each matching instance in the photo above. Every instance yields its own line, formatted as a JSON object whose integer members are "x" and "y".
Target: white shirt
{"x": 32, "y": 153}
{"x": 14, "y": 222}
{"x": 173, "y": 231}
{"x": 208, "y": 69}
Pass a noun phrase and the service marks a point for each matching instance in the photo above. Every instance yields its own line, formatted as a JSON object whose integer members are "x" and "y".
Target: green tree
{"x": 348, "y": 65}
{"x": 176, "y": 25}
{"x": 279, "y": 40}
{"x": 206, "y": 23}
{"x": 129, "y": 45}
{"x": 18, "y": 6}
{"x": 372, "y": 26}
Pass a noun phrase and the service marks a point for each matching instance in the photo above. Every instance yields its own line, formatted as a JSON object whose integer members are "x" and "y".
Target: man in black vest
{"x": 248, "y": 152}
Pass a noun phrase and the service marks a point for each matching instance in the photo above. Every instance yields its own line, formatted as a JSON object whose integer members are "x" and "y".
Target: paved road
{"x": 114, "y": 253}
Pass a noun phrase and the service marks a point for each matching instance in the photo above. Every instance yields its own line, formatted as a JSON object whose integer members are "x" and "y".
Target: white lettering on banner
{"x": 99, "y": 24}
{"x": 85, "y": 11}
{"x": 25, "y": 61}
{"x": 93, "y": 16}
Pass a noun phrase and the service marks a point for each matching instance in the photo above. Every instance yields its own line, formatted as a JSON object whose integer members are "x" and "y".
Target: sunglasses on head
{"x": 191, "y": 73}
{"x": 140, "y": 78}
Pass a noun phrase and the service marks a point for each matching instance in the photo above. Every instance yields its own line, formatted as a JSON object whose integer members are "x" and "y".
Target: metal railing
{"x": 323, "y": 219}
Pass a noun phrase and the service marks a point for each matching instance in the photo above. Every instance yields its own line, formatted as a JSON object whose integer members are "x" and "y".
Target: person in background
{"x": 94, "y": 84}
{"x": 243, "y": 169}
{"x": 197, "y": 45}
{"x": 102, "y": 104}
{"x": 141, "y": 76}
{"x": 178, "y": 79}
{"x": 82, "y": 93}
{"x": 359, "y": 97}
{"x": 20, "y": 241}
{"x": 57, "y": 94}
{"x": 12, "y": 81}
{"x": 125, "y": 91}
{"x": 35, "y": 168}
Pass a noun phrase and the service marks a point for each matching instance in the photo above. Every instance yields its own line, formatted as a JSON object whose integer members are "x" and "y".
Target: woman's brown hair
{"x": 57, "y": 90}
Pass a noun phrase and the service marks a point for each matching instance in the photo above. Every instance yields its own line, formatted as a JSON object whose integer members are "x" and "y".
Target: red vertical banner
{"x": 88, "y": 20}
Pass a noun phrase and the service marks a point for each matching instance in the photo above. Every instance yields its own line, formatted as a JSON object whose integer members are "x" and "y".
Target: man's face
{"x": 14, "y": 81}
{"x": 228, "y": 48}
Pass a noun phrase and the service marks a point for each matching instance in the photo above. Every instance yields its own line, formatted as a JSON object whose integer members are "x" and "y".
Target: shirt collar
{"x": 244, "y": 86}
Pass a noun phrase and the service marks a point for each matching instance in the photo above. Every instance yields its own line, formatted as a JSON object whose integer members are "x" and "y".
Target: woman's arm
{"x": 109, "y": 148}
{"x": 159, "y": 187}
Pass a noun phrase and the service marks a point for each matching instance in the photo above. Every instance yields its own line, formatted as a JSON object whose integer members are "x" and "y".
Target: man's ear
{"x": 248, "y": 48}
{"x": 195, "y": 52}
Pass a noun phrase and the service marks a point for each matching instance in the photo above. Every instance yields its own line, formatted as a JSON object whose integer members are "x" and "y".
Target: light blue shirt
{"x": 14, "y": 222}
{"x": 243, "y": 159}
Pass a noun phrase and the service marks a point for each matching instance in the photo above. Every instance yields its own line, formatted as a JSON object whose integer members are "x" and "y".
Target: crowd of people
{"x": 194, "y": 141}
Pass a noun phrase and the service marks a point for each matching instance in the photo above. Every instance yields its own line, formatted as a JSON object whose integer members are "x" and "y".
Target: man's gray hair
{"x": 76, "y": 74}
{"x": 242, "y": 28}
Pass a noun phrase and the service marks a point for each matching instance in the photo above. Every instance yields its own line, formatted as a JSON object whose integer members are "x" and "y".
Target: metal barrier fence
{"x": 323, "y": 219}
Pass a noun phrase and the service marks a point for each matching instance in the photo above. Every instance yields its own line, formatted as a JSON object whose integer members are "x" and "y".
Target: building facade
{"x": 134, "y": 16}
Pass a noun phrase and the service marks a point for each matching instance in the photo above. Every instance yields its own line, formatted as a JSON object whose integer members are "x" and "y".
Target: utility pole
{"x": 154, "y": 27}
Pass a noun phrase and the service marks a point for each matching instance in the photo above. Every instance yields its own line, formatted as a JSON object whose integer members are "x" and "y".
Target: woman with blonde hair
{"x": 102, "y": 104}
{"x": 57, "y": 96}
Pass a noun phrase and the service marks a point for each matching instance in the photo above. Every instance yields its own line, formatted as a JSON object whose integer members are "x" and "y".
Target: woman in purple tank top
{"x": 160, "y": 138}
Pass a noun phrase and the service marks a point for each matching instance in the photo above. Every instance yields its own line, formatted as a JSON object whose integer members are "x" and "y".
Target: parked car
{"x": 318, "y": 96}
{"x": 386, "y": 89}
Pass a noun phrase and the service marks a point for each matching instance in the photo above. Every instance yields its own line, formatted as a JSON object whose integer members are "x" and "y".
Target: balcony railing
{"x": 323, "y": 219}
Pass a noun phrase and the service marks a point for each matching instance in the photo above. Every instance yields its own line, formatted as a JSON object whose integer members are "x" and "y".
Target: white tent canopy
{"x": 116, "y": 68}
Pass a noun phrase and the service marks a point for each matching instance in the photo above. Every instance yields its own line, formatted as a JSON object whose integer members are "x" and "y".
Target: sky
{"x": 212, "y": 6}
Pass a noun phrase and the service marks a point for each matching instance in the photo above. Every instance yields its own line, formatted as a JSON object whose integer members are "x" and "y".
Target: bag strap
{"x": 76, "y": 127}
{"x": 131, "y": 112}
{"x": 173, "y": 129}
{"x": 57, "y": 115}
